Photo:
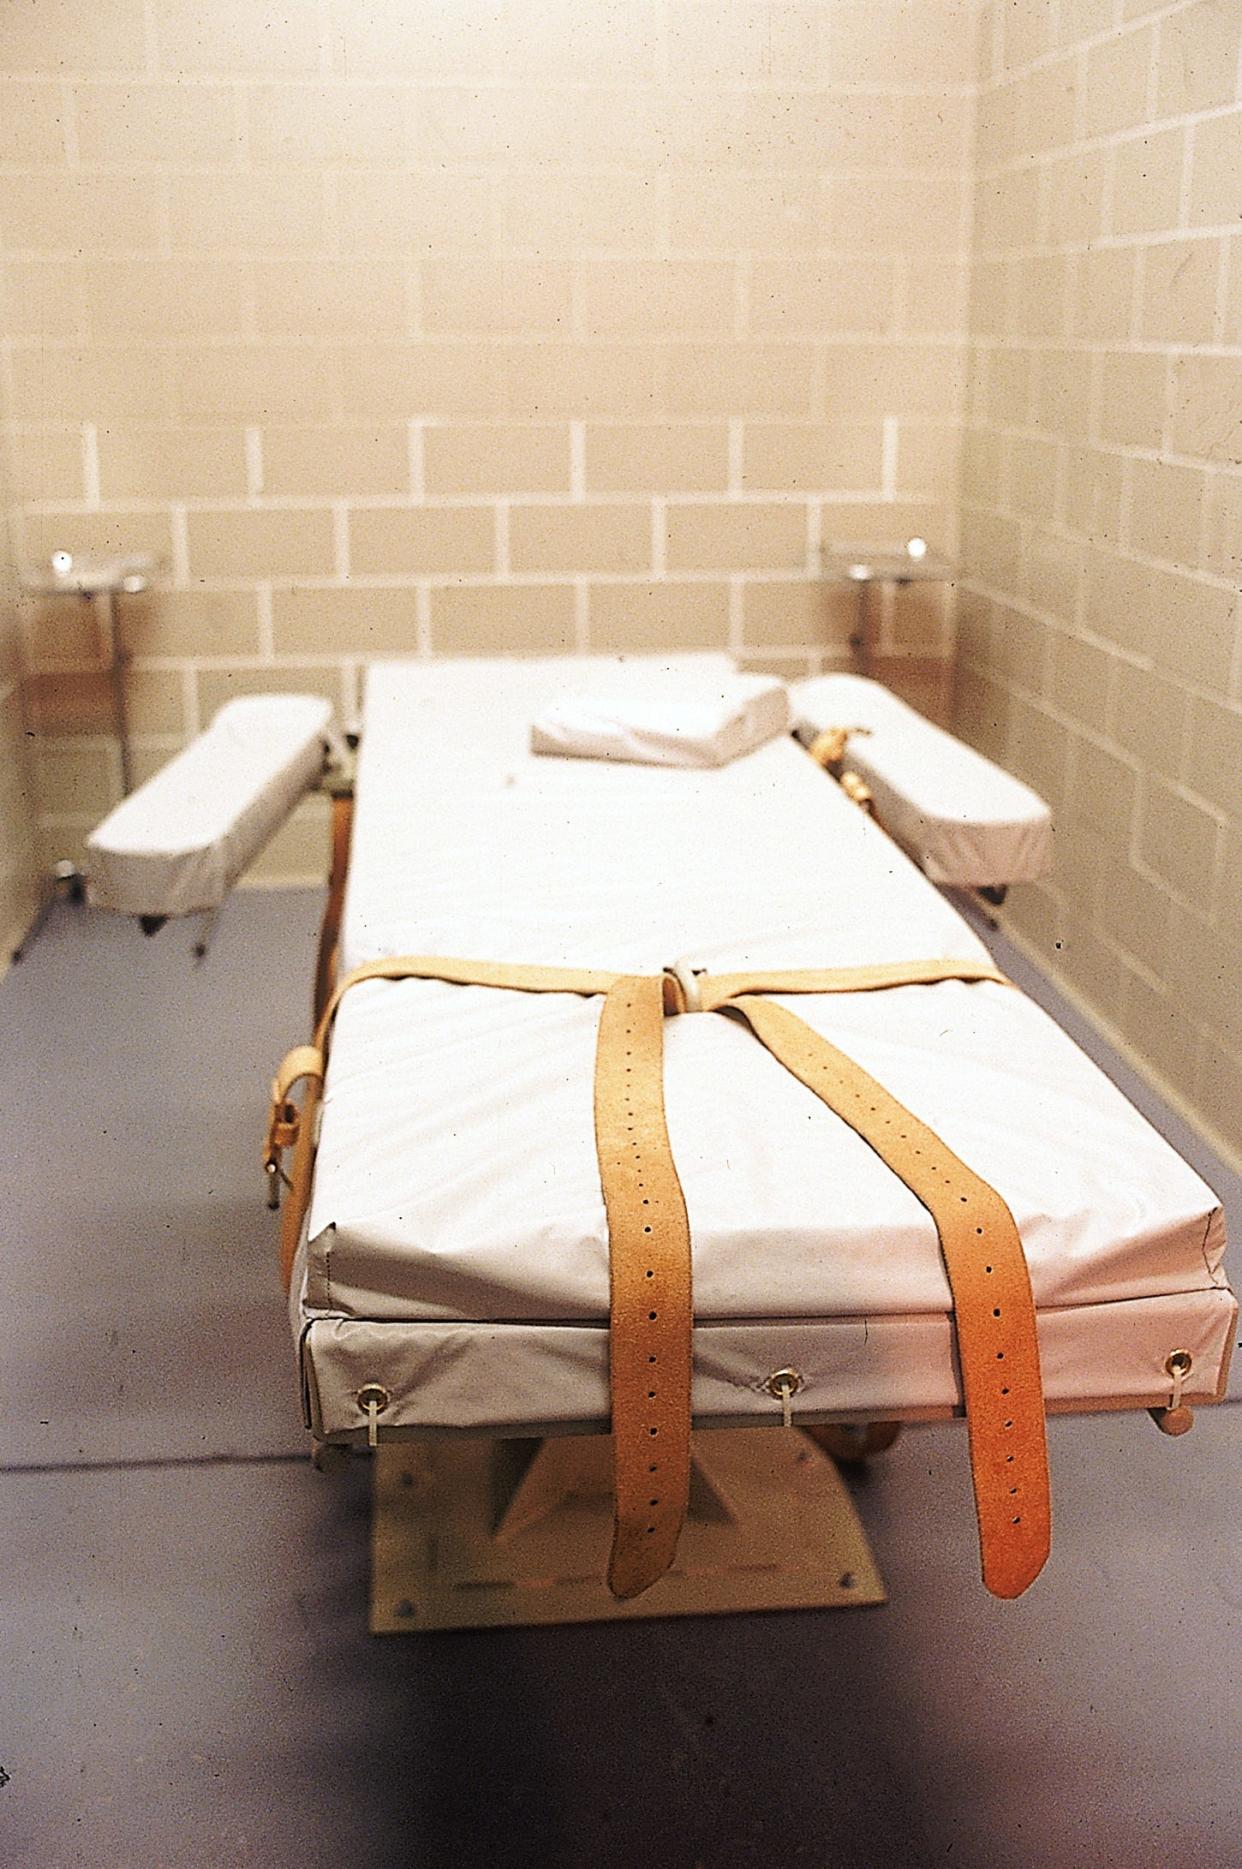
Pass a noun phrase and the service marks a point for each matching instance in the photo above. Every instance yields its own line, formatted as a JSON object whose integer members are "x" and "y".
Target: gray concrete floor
{"x": 185, "y": 1673}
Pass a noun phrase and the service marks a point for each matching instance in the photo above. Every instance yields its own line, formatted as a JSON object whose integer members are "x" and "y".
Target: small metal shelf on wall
{"x": 865, "y": 565}
{"x": 102, "y": 582}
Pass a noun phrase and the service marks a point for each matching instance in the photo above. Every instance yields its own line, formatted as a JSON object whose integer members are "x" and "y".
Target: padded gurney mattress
{"x": 456, "y": 1246}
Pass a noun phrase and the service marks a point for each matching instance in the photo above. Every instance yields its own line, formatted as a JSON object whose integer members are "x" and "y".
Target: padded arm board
{"x": 963, "y": 819}
{"x": 178, "y": 844}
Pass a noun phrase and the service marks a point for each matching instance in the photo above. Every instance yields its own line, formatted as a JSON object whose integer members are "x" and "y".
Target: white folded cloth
{"x": 178, "y": 844}
{"x": 964, "y": 820}
{"x": 706, "y": 720}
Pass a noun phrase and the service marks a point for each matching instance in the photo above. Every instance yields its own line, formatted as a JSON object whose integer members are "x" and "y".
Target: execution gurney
{"x": 453, "y": 1191}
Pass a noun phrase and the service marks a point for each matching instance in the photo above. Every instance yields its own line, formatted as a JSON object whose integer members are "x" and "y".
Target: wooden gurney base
{"x": 471, "y": 1534}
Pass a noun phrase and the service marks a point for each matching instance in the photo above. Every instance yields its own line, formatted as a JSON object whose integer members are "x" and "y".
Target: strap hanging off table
{"x": 997, "y": 1346}
{"x": 651, "y": 1312}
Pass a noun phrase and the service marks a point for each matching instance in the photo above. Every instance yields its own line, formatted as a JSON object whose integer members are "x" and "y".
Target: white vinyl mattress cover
{"x": 964, "y": 819}
{"x": 178, "y": 844}
{"x": 457, "y": 1200}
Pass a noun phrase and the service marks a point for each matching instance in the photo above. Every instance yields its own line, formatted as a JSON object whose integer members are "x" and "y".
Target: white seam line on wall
{"x": 180, "y": 546}
{"x": 266, "y": 620}
{"x": 1022, "y": 606}
{"x": 888, "y": 459}
{"x": 582, "y": 616}
{"x": 254, "y": 461}
{"x": 563, "y": 580}
{"x": 577, "y": 461}
{"x": 1087, "y": 144}
{"x": 90, "y": 464}
{"x": 593, "y": 89}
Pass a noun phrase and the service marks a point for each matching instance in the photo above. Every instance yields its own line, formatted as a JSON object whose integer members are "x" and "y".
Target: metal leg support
{"x": 66, "y": 880}
{"x": 206, "y": 928}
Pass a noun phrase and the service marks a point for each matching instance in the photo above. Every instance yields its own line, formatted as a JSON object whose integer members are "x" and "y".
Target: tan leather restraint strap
{"x": 329, "y": 933}
{"x": 291, "y": 1127}
{"x": 519, "y": 979}
{"x": 651, "y": 1311}
{"x": 717, "y": 989}
{"x": 649, "y": 1244}
{"x": 997, "y": 1348}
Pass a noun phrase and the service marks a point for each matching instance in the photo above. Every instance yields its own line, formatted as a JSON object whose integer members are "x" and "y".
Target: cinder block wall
{"x": 472, "y": 325}
{"x": 1102, "y": 521}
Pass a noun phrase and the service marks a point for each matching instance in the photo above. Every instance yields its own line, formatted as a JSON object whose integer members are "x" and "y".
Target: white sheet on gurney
{"x": 178, "y": 844}
{"x": 457, "y": 1176}
{"x": 962, "y": 818}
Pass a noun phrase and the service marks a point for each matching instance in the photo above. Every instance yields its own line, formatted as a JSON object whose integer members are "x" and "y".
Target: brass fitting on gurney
{"x": 827, "y": 749}
{"x": 858, "y": 791}
{"x": 286, "y": 1121}
{"x": 1175, "y": 1418}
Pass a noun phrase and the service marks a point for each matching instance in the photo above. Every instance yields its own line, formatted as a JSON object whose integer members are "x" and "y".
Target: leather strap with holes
{"x": 330, "y": 927}
{"x": 651, "y": 1313}
{"x": 650, "y": 1310}
{"x": 992, "y": 1302}
{"x": 717, "y": 989}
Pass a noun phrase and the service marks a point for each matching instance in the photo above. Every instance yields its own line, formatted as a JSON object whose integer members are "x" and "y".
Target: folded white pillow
{"x": 706, "y": 723}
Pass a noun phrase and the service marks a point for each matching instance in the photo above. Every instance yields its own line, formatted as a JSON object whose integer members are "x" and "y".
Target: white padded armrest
{"x": 178, "y": 844}
{"x": 669, "y": 719}
{"x": 961, "y": 817}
